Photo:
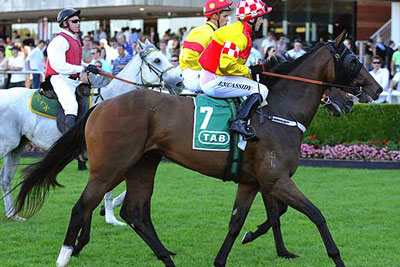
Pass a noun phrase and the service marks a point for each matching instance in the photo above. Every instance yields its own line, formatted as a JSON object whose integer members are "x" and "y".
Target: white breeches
{"x": 65, "y": 90}
{"x": 191, "y": 79}
{"x": 230, "y": 86}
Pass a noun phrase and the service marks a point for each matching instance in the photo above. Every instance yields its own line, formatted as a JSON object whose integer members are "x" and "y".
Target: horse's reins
{"x": 158, "y": 72}
{"x": 306, "y": 80}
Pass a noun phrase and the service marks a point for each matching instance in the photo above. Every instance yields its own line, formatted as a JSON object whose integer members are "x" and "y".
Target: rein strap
{"x": 108, "y": 75}
{"x": 288, "y": 77}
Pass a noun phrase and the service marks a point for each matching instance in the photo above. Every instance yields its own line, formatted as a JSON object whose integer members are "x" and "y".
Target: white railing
{"x": 385, "y": 32}
{"x": 24, "y": 72}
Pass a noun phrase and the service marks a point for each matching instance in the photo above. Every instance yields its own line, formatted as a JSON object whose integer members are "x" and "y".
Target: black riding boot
{"x": 69, "y": 121}
{"x": 240, "y": 124}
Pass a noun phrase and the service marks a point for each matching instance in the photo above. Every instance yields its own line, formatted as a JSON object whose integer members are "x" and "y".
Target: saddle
{"x": 83, "y": 92}
{"x": 211, "y": 130}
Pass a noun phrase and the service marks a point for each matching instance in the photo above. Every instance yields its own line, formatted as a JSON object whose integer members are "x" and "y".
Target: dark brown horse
{"x": 126, "y": 137}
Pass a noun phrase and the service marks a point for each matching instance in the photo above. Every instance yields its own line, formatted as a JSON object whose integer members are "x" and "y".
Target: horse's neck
{"x": 302, "y": 99}
{"x": 130, "y": 73}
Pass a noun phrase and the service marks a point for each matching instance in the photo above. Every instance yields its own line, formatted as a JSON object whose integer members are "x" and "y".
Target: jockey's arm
{"x": 56, "y": 56}
{"x": 231, "y": 67}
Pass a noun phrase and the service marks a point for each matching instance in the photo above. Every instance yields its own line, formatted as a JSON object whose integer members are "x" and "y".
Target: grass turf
{"x": 191, "y": 215}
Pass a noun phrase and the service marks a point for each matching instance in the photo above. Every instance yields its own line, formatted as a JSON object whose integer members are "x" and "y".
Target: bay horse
{"x": 127, "y": 136}
{"x": 19, "y": 125}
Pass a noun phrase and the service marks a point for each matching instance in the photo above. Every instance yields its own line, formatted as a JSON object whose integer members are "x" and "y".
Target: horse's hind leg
{"x": 264, "y": 228}
{"x": 81, "y": 217}
{"x": 109, "y": 210}
{"x": 286, "y": 191}
{"x": 8, "y": 169}
{"x": 136, "y": 207}
{"x": 272, "y": 206}
{"x": 244, "y": 198}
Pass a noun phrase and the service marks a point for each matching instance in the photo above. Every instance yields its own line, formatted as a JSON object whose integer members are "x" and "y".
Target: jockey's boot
{"x": 69, "y": 121}
{"x": 240, "y": 124}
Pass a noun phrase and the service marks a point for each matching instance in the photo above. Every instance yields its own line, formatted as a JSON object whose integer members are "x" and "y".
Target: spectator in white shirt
{"x": 35, "y": 61}
{"x": 381, "y": 75}
{"x": 297, "y": 50}
{"x": 16, "y": 63}
{"x": 267, "y": 42}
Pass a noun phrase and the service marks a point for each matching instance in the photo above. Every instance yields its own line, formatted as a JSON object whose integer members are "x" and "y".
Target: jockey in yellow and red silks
{"x": 225, "y": 73}
{"x": 217, "y": 13}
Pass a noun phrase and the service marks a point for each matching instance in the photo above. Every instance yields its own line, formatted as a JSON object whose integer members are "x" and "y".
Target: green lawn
{"x": 191, "y": 214}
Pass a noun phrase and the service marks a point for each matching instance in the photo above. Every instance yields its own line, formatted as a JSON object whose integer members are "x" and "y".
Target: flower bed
{"x": 358, "y": 150}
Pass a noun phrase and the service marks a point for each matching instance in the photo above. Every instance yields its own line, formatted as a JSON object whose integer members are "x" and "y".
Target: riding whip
{"x": 262, "y": 119}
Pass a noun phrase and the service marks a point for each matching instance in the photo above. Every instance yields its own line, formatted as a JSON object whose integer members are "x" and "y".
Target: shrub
{"x": 365, "y": 121}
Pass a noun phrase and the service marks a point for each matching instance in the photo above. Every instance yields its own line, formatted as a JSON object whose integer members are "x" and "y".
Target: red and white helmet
{"x": 215, "y": 6}
{"x": 251, "y": 9}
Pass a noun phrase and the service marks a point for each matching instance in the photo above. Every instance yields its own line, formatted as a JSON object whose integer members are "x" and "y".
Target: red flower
{"x": 358, "y": 142}
{"x": 313, "y": 137}
{"x": 385, "y": 142}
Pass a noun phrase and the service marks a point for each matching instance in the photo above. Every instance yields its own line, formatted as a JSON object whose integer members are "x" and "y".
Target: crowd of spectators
{"x": 112, "y": 53}
{"x": 383, "y": 63}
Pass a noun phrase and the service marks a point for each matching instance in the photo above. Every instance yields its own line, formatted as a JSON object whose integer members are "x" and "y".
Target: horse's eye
{"x": 157, "y": 60}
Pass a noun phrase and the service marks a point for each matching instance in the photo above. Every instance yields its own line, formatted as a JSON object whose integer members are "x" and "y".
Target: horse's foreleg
{"x": 287, "y": 192}
{"x": 8, "y": 169}
{"x": 274, "y": 210}
{"x": 136, "y": 207}
{"x": 263, "y": 228}
{"x": 244, "y": 199}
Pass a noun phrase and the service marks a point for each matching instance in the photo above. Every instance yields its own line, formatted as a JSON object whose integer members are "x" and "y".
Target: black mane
{"x": 285, "y": 64}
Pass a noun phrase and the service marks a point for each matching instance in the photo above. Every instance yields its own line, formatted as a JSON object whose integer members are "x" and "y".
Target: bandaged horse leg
{"x": 109, "y": 211}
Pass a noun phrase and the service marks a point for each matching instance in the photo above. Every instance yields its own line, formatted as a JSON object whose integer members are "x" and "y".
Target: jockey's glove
{"x": 93, "y": 69}
{"x": 256, "y": 69}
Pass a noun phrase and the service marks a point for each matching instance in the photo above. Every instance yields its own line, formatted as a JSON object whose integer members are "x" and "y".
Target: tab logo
{"x": 214, "y": 138}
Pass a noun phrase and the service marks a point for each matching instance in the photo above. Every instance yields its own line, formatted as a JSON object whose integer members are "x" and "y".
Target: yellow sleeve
{"x": 229, "y": 66}
{"x": 189, "y": 59}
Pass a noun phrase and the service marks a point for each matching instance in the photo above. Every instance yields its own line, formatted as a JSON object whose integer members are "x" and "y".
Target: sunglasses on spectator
{"x": 93, "y": 53}
{"x": 376, "y": 62}
{"x": 98, "y": 66}
{"x": 174, "y": 60}
{"x": 75, "y": 21}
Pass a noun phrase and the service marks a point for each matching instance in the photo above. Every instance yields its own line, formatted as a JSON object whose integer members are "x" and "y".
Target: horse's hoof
{"x": 115, "y": 222}
{"x": 16, "y": 218}
{"x": 102, "y": 211}
{"x": 288, "y": 255}
{"x": 247, "y": 238}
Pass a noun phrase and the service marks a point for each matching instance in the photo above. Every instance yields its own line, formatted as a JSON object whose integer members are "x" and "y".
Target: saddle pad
{"x": 211, "y": 121}
{"x": 47, "y": 107}
{"x": 43, "y": 106}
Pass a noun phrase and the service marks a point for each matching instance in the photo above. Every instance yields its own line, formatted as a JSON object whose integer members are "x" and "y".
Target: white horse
{"x": 18, "y": 124}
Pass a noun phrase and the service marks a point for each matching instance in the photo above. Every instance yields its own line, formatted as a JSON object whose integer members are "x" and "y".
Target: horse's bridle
{"x": 159, "y": 73}
{"x": 351, "y": 66}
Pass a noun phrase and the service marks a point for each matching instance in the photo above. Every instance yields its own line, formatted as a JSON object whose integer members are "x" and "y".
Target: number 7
{"x": 209, "y": 112}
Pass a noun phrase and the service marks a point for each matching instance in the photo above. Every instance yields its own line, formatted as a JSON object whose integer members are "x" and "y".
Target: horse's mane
{"x": 286, "y": 64}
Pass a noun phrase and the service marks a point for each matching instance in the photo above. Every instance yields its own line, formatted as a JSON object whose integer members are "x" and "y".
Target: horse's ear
{"x": 140, "y": 45}
{"x": 340, "y": 39}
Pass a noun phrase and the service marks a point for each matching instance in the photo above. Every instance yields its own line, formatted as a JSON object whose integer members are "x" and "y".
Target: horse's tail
{"x": 40, "y": 176}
